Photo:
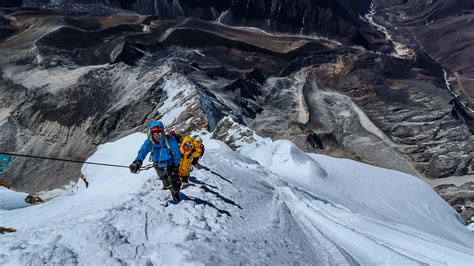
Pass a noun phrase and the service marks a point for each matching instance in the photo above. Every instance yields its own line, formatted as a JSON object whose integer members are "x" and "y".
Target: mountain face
{"x": 334, "y": 19}
{"x": 442, "y": 29}
{"x": 333, "y": 76}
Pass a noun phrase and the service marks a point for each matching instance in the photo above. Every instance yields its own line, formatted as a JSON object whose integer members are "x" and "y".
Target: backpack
{"x": 179, "y": 138}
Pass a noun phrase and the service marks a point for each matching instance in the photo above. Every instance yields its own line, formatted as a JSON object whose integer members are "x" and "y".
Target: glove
{"x": 135, "y": 166}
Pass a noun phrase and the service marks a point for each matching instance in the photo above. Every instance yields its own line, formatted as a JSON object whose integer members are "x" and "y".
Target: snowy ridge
{"x": 293, "y": 207}
{"x": 179, "y": 97}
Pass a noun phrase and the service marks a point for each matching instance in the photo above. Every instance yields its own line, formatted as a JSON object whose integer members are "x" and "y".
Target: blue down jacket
{"x": 160, "y": 153}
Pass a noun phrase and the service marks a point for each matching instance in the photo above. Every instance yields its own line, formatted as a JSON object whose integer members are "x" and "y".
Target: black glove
{"x": 135, "y": 166}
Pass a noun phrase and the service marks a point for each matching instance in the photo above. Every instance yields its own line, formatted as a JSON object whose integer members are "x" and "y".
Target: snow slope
{"x": 294, "y": 208}
{"x": 10, "y": 199}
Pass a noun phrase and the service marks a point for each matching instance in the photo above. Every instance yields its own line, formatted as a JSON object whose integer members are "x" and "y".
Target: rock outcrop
{"x": 461, "y": 197}
{"x": 33, "y": 199}
{"x": 4, "y": 230}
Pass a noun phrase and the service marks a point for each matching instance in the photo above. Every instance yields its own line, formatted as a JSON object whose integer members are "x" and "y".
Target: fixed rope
{"x": 62, "y": 160}
{"x": 6, "y": 160}
{"x": 145, "y": 167}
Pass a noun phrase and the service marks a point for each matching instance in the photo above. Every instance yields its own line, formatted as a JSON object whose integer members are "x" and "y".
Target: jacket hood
{"x": 156, "y": 124}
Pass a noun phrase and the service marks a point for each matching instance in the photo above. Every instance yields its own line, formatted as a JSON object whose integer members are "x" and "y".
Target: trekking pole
{"x": 62, "y": 160}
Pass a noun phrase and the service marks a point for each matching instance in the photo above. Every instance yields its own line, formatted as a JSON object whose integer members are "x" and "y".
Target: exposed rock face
{"x": 412, "y": 113}
{"x": 4, "y": 183}
{"x": 4, "y": 230}
{"x": 70, "y": 82}
{"x": 33, "y": 199}
{"x": 335, "y": 19}
{"x": 444, "y": 30}
{"x": 233, "y": 134}
{"x": 460, "y": 197}
{"x": 6, "y": 29}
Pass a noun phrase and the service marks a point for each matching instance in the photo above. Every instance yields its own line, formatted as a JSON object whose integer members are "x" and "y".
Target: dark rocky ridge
{"x": 11, "y": 3}
{"x": 114, "y": 72}
{"x": 330, "y": 18}
{"x": 6, "y": 29}
{"x": 460, "y": 197}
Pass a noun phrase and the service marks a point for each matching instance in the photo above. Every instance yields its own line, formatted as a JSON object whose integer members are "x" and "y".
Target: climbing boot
{"x": 166, "y": 184}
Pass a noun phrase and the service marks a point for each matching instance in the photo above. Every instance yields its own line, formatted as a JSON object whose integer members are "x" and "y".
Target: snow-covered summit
{"x": 291, "y": 207}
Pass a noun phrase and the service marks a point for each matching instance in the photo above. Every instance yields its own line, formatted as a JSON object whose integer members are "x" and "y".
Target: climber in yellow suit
{"x": 185, "y": 164}
{"x": 198, "y": 151}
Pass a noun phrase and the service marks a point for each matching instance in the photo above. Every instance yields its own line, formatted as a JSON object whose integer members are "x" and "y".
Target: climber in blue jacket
{"x": 165, "y": 154}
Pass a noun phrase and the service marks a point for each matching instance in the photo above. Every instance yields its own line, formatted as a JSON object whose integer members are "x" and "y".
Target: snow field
{"x": 293, "y": 207}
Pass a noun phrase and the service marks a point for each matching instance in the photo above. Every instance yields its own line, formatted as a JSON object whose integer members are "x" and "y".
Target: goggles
{"x": 188, "y": 145}
{"x": 156, "y": 130}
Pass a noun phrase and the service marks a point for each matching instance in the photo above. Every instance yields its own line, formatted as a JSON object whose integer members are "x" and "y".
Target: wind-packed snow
{"x": 470, "y": 227}
{"x": 291, "y": 208}
{"x": 10, "y": 199}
